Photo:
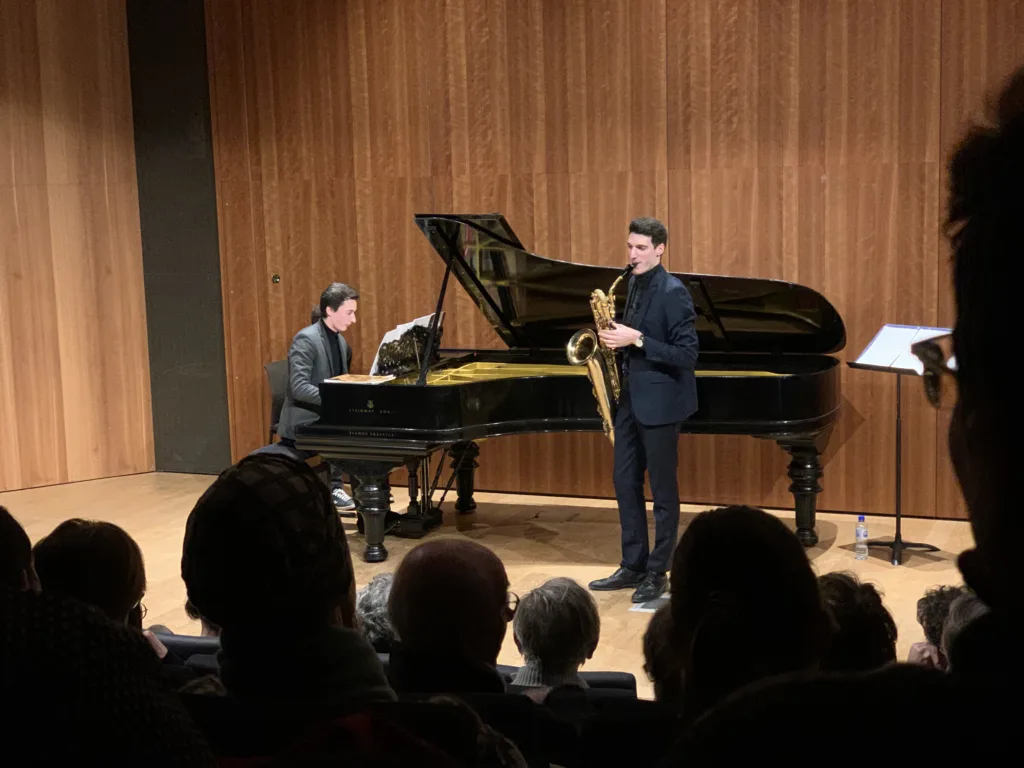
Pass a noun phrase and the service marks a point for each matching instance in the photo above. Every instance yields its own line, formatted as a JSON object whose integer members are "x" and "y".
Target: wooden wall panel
{"x": 796, "y": 139}
{"x": 75, "y": 398}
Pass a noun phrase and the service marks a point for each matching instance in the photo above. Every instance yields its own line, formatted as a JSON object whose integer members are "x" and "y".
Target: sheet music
{"x": 891, "y": 347}
{"x": 360, "y": 378}
{"x": 396, "y": 333}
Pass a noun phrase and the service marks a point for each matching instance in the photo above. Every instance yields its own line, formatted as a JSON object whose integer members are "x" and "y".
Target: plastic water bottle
{"x": 860, "y": 549}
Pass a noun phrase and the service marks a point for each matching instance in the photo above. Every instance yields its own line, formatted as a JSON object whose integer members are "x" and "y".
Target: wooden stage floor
{"x": 537, "y": 537}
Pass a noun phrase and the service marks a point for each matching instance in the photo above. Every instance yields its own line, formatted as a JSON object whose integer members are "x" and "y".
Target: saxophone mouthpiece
{"x": 628, "y": 268}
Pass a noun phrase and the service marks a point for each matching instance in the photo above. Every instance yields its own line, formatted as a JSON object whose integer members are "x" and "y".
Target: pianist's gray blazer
{"x": 309, "y": 363}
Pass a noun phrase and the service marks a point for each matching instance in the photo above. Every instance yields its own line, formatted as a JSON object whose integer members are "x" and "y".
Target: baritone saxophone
{"x": 585, "y": 348}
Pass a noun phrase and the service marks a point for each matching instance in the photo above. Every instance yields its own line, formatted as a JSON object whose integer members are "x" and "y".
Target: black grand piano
{"x": 764, "y": 370}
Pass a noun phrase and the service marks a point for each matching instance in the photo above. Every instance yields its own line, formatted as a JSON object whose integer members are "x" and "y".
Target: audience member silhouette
{"x": 745, "y": 604}
{"x": 556, "y": 628}
{"x": 79, "y": 689}
{"x": 986, "y": 224}
{"x": 450, "y": 606}
{"x": 986, "y": 227}
{"x": 206, "y": 627}
{"x": 661, "y": 661}
{"x": 97, "y": 563}
{"x": 863, "y": 632}
{"x": 962, "y": 612}
{"x": 265, "y": 558}
{"x": 17, "y": 570}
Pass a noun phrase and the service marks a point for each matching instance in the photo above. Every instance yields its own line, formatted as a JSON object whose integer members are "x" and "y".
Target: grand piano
{"x": 764, "y": 370}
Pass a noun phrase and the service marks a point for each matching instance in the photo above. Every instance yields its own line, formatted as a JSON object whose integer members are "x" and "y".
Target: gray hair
{"x": 962, "y": 612}
{"x": 372, "y": 610}
{"x": 557, "y": 625}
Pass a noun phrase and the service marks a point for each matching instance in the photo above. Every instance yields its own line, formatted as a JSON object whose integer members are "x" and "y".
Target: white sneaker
{"x": 342, "y": 500}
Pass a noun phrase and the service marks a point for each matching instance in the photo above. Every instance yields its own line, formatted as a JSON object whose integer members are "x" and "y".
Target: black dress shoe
{"x": 621, "y": 579}
{"x": 653, "y": 586}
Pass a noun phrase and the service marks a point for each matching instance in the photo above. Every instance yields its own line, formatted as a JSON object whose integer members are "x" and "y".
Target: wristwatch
{"x": 640, "y": 341}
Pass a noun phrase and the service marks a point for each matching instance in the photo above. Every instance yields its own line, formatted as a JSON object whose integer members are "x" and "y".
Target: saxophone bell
{"x": 585, "y": 348}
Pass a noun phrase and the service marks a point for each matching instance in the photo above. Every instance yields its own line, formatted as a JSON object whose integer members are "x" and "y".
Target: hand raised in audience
{"x": 926, "y": 655}
{"x": 158, "y": 648}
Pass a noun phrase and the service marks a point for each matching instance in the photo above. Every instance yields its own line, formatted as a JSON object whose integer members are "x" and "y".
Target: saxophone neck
{"x": 626, "y": 271}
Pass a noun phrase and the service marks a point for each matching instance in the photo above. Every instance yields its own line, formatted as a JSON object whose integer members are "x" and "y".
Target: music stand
{"x": 889, "y": 352}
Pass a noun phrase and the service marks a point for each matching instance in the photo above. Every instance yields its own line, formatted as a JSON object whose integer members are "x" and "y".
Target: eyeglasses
{"x": 511, "y": 604}
{"x": 939, "y": 374}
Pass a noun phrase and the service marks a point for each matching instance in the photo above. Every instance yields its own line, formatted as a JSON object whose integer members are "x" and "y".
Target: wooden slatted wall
{"x": 794, "y": 139}
{"x": 74, "y": 366}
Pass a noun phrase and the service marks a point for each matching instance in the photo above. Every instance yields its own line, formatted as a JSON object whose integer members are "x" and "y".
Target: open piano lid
{"x": 534, "y": 302}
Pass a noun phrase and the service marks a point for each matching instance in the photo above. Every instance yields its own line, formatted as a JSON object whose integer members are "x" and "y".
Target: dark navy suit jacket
{"x": 662, "y": 387}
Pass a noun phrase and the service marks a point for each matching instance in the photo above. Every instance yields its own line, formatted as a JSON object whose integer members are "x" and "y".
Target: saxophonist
{"x": 657, "y": 342}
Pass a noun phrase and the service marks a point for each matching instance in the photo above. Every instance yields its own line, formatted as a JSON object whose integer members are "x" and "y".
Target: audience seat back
{"x": 245, "y": 728}
{"x": 186, "y": 646}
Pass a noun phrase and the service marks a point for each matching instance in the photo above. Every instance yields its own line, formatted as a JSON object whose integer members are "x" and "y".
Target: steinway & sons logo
{"x": 370, "y": 408}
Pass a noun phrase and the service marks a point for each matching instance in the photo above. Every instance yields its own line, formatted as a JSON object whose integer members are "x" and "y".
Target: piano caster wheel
{"x": 375, "y": 553}
{"x": 807, "y": 536}
{"x": 465, "y": 509}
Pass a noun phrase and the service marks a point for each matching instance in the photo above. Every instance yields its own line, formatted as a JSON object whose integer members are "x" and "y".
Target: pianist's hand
{"x": 619, "y": 336}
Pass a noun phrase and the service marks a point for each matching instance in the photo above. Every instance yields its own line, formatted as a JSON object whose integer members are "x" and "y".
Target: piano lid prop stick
{"x": 432, "y": 338}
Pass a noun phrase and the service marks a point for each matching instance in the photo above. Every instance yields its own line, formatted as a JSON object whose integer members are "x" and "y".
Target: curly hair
{"x": 864, "y": 632}
{"x": 933, "y": 608}
{"x": 372, "y": 610}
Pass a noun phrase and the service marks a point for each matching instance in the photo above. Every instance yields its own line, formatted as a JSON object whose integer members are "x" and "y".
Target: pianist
{"x": 319, "y": 352}
{"x": 657, "y": 342}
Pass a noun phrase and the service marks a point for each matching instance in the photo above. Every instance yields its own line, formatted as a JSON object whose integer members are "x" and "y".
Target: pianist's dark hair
{"x": 334, "y": 296}
{"x": 653, "y": 228}
{"x": 985, "y": 223}
{"x": 314, "y": 316}
{"x": 933, "y": 608}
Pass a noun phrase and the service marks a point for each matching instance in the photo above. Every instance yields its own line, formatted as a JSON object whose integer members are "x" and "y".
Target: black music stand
{"x": 889, "y": 352}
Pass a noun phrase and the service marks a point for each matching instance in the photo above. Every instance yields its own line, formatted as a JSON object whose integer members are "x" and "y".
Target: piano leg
{"x": 464, "y": 465}
{"x": 804, "y": 474}
{"x": 413, "y": 468}
{"x": 373, "y": 497}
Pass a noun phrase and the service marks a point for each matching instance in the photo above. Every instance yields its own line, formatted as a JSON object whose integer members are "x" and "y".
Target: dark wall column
{"x": 178, "y": 212}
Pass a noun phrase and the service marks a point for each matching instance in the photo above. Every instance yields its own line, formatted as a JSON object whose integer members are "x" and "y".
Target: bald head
{"x": 450, "y": 596}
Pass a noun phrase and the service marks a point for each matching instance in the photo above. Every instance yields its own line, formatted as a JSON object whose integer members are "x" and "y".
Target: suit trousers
{"x": 656, "y": 450}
